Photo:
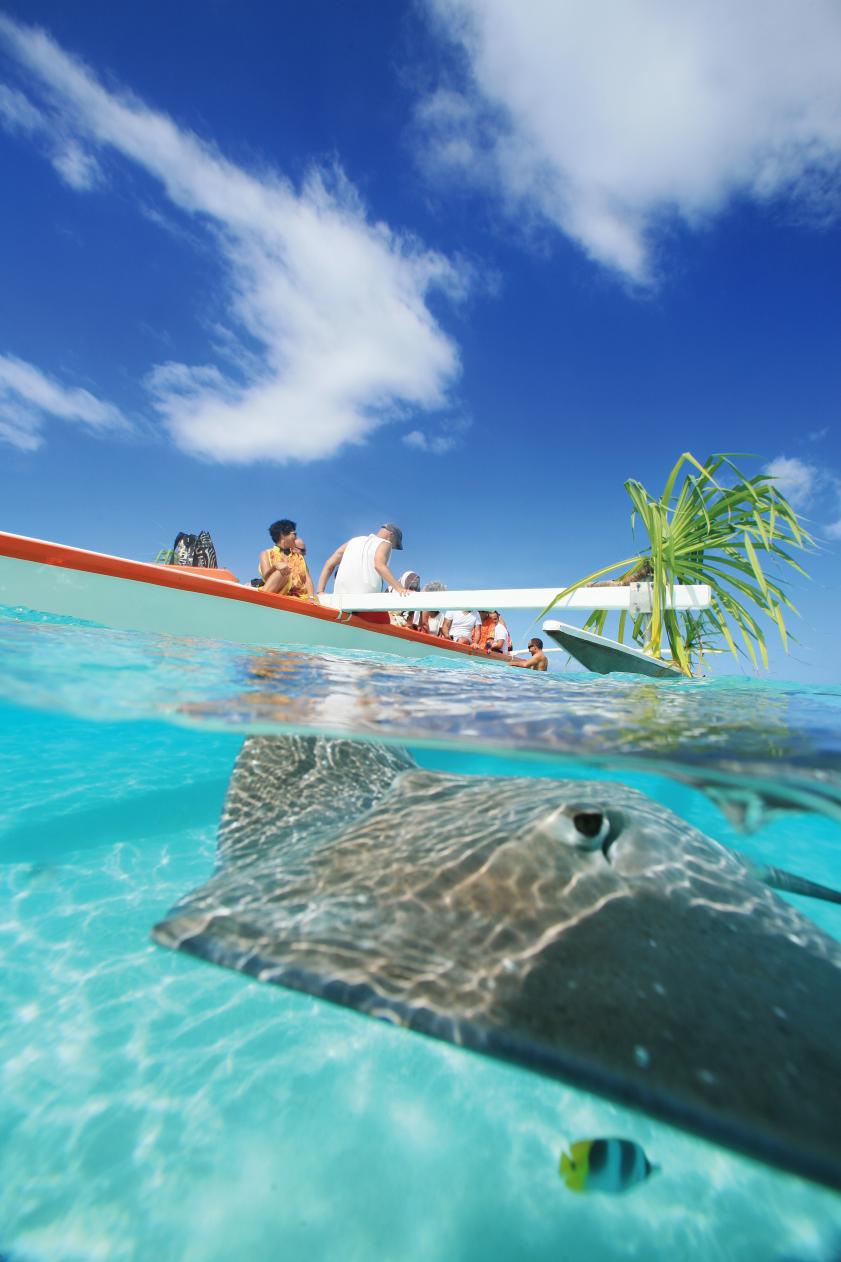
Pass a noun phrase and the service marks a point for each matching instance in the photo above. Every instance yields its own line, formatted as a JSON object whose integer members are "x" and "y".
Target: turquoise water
{"x": 154, "y": 1106}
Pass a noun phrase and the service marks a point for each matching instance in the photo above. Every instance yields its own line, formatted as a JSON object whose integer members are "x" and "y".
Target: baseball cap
{"x": 396, "y": 534}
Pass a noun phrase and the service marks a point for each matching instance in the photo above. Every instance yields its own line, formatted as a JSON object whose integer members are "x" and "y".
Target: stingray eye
{"x": 585, "y": 826}
{"x": 592, "y": 825}
{"x": 582, "y": 826}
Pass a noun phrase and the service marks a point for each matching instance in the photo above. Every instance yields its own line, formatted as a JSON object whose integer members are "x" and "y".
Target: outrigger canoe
{"x": 606, "y": 657}
{"x": 176, "y": 600}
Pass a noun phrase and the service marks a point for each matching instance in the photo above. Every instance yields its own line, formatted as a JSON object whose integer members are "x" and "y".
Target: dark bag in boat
{"x": 195, "y": 550}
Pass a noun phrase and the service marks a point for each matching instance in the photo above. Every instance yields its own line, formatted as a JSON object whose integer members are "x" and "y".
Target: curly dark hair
{"x": 282, "y": 527}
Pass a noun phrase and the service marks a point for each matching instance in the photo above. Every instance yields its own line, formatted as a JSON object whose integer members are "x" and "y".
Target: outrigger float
{"x": 184, "y": 601}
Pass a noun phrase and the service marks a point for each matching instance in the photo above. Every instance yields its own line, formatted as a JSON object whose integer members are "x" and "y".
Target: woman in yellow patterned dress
{"x": 283, "y": 569}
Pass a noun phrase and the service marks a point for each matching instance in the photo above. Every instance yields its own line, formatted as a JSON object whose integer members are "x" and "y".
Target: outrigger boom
{"x": 634, "y": 598}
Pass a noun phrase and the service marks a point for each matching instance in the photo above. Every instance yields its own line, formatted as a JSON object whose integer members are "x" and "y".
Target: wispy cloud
{"x": 76, "y": 166}
{"x": 798, "y": 480}
{"x": 435, "y": 444}
{"x": 331, "y": 307}
{"x": 447, "y": 435}
{"x": 18, "y": 114}
{"x": 608, "y": 120}
{"x": 812, "y": 488}
{"x": 28, "y": 398}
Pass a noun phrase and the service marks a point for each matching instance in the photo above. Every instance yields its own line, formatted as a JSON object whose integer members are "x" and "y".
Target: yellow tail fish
{"x": 605, "y": 1165}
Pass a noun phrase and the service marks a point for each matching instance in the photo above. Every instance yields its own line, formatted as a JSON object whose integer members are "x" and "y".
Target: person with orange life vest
{"x": 487, "y": 627}
{"x": 500, "y": 639}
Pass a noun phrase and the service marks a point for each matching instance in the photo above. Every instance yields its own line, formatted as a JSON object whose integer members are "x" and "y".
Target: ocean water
{"x": 155, "y": 1106}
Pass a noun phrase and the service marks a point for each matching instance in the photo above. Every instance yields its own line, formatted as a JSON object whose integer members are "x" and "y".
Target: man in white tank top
{"x": 363, "y": 564}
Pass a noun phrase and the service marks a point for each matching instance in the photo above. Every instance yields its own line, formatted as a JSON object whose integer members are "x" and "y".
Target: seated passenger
{"x": 282, "y": 567}
{"x": 461, "y": 625}
{"x": 432, "y": 620}
{"x": 501, "y": 639}
{"x": 406, "y": 617}
{"x": 487, "y": 627}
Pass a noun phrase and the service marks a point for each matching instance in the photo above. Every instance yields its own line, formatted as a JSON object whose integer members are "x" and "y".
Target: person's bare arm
{"x": 476, "y": 635}
{"x": 330, "y": 565}
{"x": 381, "y": 557}
{"x": 264, "y": 565}
{"x": 445, "y": 628}
{"x": 531, "y": 664}
{"x": 267, "y": 568}
{"x": 538, "y": 662}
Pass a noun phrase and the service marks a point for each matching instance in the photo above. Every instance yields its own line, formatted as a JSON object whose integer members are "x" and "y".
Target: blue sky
{"x": 464, "y": 266}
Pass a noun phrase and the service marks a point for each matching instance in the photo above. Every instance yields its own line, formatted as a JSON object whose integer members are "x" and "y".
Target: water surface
{"x": 153, "y": 1106}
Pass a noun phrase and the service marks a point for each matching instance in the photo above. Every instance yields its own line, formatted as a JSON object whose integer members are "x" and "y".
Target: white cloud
{"x": 797, "y": 480}
{"x": 448, "y": 435}
{"x": 335, "y": 304}
{"x": 18, "y": 115}
{"x": 28, "y": 398}
{"x": 76, "y": 167}
{"x": 436, "y": 444}
{"x": 809, "y": 487}
{"x": 608, "y": 119}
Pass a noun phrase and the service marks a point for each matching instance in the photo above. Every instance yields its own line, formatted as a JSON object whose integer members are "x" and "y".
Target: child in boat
{"x": 500, "y": 640}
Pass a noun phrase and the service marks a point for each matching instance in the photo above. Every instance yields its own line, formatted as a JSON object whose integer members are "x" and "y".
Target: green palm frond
{"x": 712, "y": 525}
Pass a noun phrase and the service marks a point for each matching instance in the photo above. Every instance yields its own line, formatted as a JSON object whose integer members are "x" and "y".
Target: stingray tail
{"x": 780, "y": 880}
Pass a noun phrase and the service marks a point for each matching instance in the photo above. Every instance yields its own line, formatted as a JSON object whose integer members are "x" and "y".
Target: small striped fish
{"x": 605, "y": 1165}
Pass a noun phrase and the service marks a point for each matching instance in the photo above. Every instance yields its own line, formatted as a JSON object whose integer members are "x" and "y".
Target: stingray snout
{"x": 584, "y": 826}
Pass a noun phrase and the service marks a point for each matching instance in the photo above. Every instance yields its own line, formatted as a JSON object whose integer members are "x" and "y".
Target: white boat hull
{"x": 135, "y": 596}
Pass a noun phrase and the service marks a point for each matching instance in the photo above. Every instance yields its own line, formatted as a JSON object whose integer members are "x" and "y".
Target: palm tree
{"x": 736, "y": 538}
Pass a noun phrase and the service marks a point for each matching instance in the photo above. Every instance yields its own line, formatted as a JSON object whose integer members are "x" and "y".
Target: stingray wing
{"x": 686, "y": 989}
{"x": 292, "y": 789}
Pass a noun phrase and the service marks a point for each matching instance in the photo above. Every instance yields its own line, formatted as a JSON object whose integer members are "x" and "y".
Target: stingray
{"x": 576, "y": 928}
